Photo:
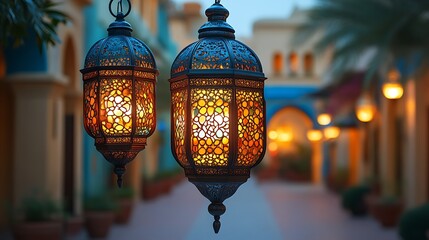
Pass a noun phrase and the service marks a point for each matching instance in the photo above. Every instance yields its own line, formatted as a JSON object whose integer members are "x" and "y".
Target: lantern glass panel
{"x": 116, "y": 106}
{"x": 179, "y": 99}
{"x": 210, "y": 126}
{"x": 145, "y": 104}
{"x": 91, "y": 108}
{"x": 250, "y": 127}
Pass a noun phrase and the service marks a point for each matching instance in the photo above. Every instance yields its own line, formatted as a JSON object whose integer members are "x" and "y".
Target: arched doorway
{"x": 72, "y": 130}
{"x": 6, "y": 140}
{"x": 289, "y": 150}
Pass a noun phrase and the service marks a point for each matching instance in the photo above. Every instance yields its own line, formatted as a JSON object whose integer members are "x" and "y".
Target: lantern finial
{"x": 119, "y": 171}
{"x": 216, "y": 209}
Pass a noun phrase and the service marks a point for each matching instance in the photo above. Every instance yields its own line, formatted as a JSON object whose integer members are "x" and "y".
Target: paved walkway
{"x": 270, "y": 211}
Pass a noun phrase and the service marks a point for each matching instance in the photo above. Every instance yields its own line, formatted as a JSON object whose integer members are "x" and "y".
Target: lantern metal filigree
{"x": 119, "y": 79}
{"x": 217, "y": 111}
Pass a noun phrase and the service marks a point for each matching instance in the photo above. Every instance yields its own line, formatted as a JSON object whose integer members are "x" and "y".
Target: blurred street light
{"x": 314, "y": 135}
{"x": 331, "y": 132}
{"x": 324, "y": 119}
{"x": 392, "y": 88}
{"x": 365, "y": 108}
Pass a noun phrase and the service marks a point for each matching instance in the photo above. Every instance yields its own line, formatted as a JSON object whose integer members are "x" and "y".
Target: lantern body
{"x": 119, "y": 95}
{"x": 218, "y": 110}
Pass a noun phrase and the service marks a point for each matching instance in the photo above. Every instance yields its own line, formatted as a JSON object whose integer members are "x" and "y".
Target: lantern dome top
{"x": 217, "y": 49}
{"x": 120, "y": 49}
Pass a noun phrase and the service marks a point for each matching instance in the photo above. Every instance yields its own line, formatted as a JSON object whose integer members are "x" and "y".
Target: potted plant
{"x": 353, "y": 200}
{"x": 72, "y": 224}
{"x": 99, "y": 215}
{"x": 414, "y": 224}
{"x": 124, "y": 198}
{"x": 387, "y": 210}
{"x": 40, "y": 219}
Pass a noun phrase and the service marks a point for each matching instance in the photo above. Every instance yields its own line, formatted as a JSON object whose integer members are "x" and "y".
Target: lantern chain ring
{"x": 119, "y": 9}
{"x": 217, "y": 1}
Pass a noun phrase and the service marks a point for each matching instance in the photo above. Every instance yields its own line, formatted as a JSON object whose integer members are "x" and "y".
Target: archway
{"x": 6, "y": 140}
{"x": 289, "y": 150}
{"x": 72, "y": 129}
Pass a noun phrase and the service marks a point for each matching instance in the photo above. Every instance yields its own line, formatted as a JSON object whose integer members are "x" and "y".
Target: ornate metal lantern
{"x": 119, "y": 93}
{"x": 217, "y": 111}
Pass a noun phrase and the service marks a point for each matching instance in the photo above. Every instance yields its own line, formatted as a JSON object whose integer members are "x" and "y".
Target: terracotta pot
{"x": 98, "y": 224}
{"x": 49, "y": 230}
{"x": 388, "y": 214}
{"x": 125, "y": 209}
{"x": 73, "y": 225}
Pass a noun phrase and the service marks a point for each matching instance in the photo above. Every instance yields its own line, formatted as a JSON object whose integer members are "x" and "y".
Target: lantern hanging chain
{"x": 119, "y": 9}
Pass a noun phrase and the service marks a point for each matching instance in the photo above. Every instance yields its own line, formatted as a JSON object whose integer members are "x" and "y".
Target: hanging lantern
{"x": 365, "y": 109}
{"x": 218, "y": 111}
{"x": 119, "y": 93}
{"x": 392, "y": 88}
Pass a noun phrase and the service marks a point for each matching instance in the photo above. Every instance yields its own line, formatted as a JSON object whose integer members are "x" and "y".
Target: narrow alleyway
{"x": 268, "y": 211}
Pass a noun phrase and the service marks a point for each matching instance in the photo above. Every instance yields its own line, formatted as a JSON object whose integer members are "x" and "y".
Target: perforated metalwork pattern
{"x": 244, "y": 59}
{"x": 210, "y": 126}
{"x": 179, "y": 99}
{"x": 250, "y": 127}
{"x": 211, "y": 54}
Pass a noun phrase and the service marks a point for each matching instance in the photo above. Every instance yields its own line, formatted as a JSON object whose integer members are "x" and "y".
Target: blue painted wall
{"x": 96, "y": 170}
{"x": 27, "y": 57}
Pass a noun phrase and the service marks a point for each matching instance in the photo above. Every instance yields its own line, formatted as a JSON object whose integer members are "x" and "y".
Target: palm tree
{"x": 18, "y": 17}
{"x": 398, "y": 28}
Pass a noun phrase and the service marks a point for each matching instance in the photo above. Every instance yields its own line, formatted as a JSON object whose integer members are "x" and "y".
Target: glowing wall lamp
{"x": 119, "y": 93}
{"x": 365, "y": 108}
{"x": 324, "y": 119}
{"x": 331, "y": 132}
{"x": 218, "y": 111}
{"x": 392, "y": 88}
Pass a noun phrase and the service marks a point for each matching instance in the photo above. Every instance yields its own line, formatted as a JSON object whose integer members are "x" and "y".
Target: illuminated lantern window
{"x": 392, "y": 88}
{"x": 119, "y": 94}
{"x": 365, "y": 109}
{"x": 218, "y": 111}
{"x": 324, "y": 119}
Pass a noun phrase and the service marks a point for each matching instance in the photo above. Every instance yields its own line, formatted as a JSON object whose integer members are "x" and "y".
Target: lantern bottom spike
{"x": 217, "y": 209}
{"x": 119, "y": 171}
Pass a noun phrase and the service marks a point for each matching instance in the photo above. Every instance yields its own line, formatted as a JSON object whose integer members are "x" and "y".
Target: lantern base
{"x": 217, "y": 192}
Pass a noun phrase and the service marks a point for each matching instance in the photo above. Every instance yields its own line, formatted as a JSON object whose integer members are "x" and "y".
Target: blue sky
{"x": 244, "y": 12}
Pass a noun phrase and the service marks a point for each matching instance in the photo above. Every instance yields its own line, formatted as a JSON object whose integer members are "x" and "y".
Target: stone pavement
{"x": 268, "y": 211}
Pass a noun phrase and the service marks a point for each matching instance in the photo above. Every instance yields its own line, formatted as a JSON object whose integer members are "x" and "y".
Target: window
{"x": 293, "y": 63}
{"x": 278, "y": 63}
{"x": 308, "y": 64}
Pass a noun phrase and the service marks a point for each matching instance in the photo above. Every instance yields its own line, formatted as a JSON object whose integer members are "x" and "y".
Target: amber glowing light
{"x": 365, "y": 109}
{"x": 392, "y": 88}
{"x": 314, "y": 135}
{"x": 331, "y": 132}
{"x": 324, "y": 119}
